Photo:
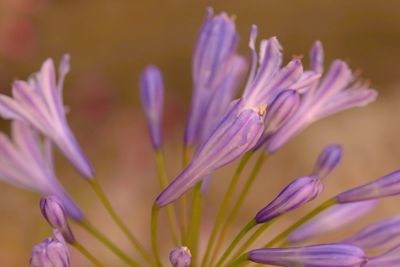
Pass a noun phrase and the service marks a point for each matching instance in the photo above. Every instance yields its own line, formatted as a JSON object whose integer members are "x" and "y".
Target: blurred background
{"x": 110, "y": 42}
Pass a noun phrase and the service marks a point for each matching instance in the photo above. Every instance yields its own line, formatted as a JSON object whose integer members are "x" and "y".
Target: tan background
{"x": 111, "y": 41}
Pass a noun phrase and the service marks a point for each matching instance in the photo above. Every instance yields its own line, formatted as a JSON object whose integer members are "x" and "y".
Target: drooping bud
{"x": 377, "y": 234}
{"x": 180, "y": 257}
{"x": 152, "y": 97}
{"x": 54, "y": 213}
{"x": 328, "y": 160}
{"x": 297, "y": 193}
{"x": 338, "y": 255}
{"x": 388, "y": 185}
{"x": 52, "y": 252}
{"x": 331, "y": 219}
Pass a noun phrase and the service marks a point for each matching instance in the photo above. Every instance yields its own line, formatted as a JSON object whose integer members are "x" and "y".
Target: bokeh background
{"x": 111, "y": 41}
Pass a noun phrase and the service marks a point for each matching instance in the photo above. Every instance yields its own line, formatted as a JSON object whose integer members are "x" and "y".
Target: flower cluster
{"x": 225, "y": 124}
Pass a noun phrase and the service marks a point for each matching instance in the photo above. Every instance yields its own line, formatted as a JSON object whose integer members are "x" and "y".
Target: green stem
{"x": 162, "y": 174}
{"x": 194, "y": 223}
{"x": 87, "y": 254}
{"x": 183, "y": 201}
{"x": 239, "y": 261}
{"x": 253, "y": 238}
{"x": 100, "y": 237}
{"x": 282, "y": 236}
{"x": 235, "y": 241}
{"x": 224, "y": 205}
{"x": 154, "y": 228}
{"x": 106, "y": 203}
{"x": 235, "y": 210}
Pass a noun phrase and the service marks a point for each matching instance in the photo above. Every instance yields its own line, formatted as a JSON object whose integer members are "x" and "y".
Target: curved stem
{"x": 253, "y": 238}
{"x": 224, "y": 205}
{"x": 235, "y": 210}
{"x": 100, "y": 237}
{"x": 282, "y": 236}
{"x": 239, "y": 261}
{"x": 106, "y": 203}
{"x": 162, "y": 174}
{"x": 183, "y": 201}
{"x": 154, "y": 225}
{"x": 87, "y": 254}
{"x": 235, "y": 241}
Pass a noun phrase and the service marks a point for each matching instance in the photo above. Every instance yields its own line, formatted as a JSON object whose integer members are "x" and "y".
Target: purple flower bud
{"x": 294, "y": 195}
{"x": 180, "y": 257}
{"x": 53, "y": 211}
{"x": 281, "y": 109}
{"x": 331, "y": 219}
{"x": 152, "y": 97}
{"x": 328, "y": 160}
{"x": 216, "y": 45}
{"x": 324, "y": 255}
{"x": 390, "y": 258}
{"x": 377, "y": 234}
{"x": 388, "y": 185}
{"x": 52, "y": 252}
{"x": 236, "y": 134}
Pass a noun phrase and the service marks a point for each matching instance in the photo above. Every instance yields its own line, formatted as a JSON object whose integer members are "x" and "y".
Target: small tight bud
{"x": 180, "y": 257}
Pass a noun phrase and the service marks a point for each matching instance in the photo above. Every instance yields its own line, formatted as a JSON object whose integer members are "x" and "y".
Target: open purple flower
{"x": 299, "y": 192}
{"x": 26, "y": 162}
{"x": 325, "y": 255}
{"x": 331, "y": 219}
{"x": 152, "y": 96}
{"x": 39, "y": 102}
{"x": 338, "y": 90}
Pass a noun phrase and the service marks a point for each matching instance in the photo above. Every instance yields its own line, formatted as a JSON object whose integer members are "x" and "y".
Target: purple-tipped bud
{"x": 180, "y": 257}
{"x": 337, "y": 255}
{"x": 377, "y": 234}
{"x": 390, "y": 258}
{"x": 52, "y": 252}
{"x": 236, "y": 134}
{"x": 152, "y": 97}
{"x": 331, "y": 219}
{"x": 54, "y": 212}
{"x": 281, "y": 109}
{"x": 294, "y": 195}
{"x": 388, "y": 185}
{"x": 328, "y": 160}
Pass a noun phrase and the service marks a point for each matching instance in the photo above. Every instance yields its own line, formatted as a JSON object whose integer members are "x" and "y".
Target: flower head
{"x": 53, "y": 211}
{"x": 152, "y": 96}
{"x": 52, "y": 252}
{"x": 325, "y": 255}
{"x": 338, "y": 90}
{"x": 294, "y": 195}
{"x": 26, "y": 162}
{"x": 180, "y": 257}
{"x": 39, "y": 102}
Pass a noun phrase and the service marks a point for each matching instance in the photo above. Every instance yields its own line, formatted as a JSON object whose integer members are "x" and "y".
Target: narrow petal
{"x": 328, "y": 160}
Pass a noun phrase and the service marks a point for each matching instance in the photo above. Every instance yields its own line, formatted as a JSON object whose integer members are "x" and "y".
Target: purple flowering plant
{"x": 226, "y": 123}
